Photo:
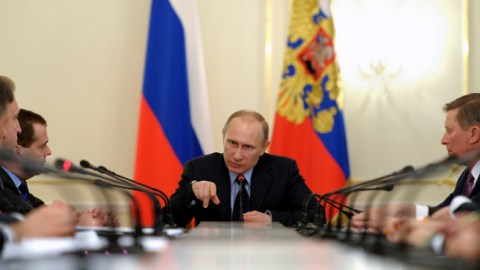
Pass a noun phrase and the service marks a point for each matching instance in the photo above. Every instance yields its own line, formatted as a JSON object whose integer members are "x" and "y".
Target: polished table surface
{"x": 226, "y": 245}
{"x": 236, "y": 245}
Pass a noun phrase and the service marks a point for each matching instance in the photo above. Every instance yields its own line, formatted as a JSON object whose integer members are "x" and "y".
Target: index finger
{"x": 213, "y": 190}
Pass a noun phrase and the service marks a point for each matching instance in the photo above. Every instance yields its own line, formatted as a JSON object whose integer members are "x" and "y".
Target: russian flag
{"x": 175, "y": 123}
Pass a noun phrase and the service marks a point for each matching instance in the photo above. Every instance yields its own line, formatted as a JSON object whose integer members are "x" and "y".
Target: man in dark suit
{"x": 461, "y": 137}
{"x": 57, "y": 220}
{"x": 32, "y": 145}
{"x": 209, "y": 187}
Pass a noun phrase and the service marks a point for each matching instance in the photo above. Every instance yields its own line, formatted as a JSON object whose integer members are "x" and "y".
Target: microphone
{"x": 408, "y": 168}
{"x": 161, "y": 194}
{"x": 85, "y": 164}
{"x": 330, "y": 201}
{"x": 158, "y": 223}
{"x": 103, "y": 170}
{"x": 302, "y": 224}
{"x": 241, "y": 179}
{"x": 137, "y": 248}
{"x": 66, "y": 165}
{"x": 388, "y": 187}
{"x": 389, "y": 179}
{"x": 102, "y": 183}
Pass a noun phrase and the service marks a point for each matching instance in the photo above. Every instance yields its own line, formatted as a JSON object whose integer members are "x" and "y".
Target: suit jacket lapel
{"x": 221, "y": 179}
{"x": 261, "y": 182}
{"x": 16, "y": 200}
{"x": 8, "y": 182}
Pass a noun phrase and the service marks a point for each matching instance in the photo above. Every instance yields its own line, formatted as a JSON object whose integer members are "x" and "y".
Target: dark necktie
{"x": 23, "y": 191}
{"x": 246, "y": 201}
{"x": 470, "y": 180}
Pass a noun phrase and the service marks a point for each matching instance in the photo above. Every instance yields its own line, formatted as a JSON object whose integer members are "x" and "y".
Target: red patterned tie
{"x": 470, "y": 180}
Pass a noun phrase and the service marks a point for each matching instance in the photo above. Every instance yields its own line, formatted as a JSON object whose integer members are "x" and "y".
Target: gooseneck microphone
{"x": 158, "y": 221}
{"x": 388, "y": 187}
{"x": 102, "y": 169}
{"x": 241, "y": 179}
{"x": 85, "y": 164}
{"x": 102, "y": 183}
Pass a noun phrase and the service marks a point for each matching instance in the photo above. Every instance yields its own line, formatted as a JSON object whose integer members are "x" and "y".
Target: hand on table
{"x": 47, "y": 221}
{"x": 257, "y": 217}
{"x": 97, "y": 217}
{"x": 374, "y": 218}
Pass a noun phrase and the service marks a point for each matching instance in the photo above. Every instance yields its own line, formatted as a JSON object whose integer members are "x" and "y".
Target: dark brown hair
{"x": 468, "y": 113}
{"x": 26, "y": 119}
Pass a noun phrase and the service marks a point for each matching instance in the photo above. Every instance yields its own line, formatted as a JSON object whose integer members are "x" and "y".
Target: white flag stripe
{"x": 197, "y": 83}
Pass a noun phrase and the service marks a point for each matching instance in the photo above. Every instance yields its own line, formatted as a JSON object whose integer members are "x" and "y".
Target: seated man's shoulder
{"x": 277, "y": 159}
{"x": 206, "y": 158}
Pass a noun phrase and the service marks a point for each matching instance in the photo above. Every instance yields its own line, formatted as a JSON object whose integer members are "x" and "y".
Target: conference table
{"x": 227, "y": 245}
{"x": 237, "y": 245}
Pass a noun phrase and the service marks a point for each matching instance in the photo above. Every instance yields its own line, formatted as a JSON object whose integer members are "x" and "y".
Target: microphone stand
{"x": 104, "y": 170}
{"x": 240, "y": 215}
{"x": 99, "y": 182}
{"x": 112, "y": 237}
{"x": 303, "y": 223}
{"x": 158, "y": 223}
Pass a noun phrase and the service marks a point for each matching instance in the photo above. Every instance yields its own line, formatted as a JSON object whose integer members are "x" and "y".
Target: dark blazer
{"x": 276, "y": 185}
{"x": 11, "y": 200}
{"x": 461, "y": 188}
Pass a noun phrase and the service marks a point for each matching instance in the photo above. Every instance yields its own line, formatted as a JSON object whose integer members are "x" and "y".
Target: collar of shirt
{"x": 15, "y": 178}
{"x": 234, "y": 187}
{"x": 476, "y": 172}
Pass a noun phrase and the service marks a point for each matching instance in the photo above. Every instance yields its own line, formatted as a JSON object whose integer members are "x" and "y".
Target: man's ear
{"x": 474, "y": 134}
{"x": 265, "y": 147}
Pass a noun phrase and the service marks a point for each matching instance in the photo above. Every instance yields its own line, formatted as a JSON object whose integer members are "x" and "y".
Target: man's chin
{"x": 236, "y": 170}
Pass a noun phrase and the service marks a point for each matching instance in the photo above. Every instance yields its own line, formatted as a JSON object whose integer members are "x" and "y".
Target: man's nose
{"x": 238, "y": 153}
{"x": 444, "y": 140}
{"x": 48, "y": 152}
{"x": 19, "y": 128}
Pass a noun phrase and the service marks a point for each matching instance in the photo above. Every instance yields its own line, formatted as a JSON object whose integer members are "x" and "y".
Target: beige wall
{"x": 80, "y": 64}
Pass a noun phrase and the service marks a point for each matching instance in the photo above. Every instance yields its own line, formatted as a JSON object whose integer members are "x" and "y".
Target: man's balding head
{"x": 249, "y": 115}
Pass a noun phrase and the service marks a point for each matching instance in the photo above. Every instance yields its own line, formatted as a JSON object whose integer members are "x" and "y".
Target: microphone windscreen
{"x": 102, "y": 169}
{"x": 85, "y": 164}
{"x": 59, "y": 164}
{"x": 99, "y": 182}
{"x": 408, "y": 168}
{"x": 389, "y": 187}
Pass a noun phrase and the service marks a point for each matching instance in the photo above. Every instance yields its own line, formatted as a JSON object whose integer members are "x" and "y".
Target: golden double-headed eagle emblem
{"x": 311, "y": 70}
